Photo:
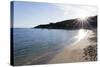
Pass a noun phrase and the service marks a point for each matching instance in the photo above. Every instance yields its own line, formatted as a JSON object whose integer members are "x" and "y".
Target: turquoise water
{"x": 38, "y": 46}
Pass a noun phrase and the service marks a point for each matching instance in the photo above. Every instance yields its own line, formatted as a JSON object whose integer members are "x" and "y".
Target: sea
{"x": 38, "y": 46}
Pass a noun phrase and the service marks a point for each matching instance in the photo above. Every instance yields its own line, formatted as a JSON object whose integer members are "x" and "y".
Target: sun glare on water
{"x": 81, "y": 34}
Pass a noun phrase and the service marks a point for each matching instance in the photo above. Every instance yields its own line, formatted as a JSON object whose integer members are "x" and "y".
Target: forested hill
{"x": 77, "y": 23}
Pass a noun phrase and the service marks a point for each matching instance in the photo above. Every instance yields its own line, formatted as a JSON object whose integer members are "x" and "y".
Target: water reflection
{"x": 82, "y": 33}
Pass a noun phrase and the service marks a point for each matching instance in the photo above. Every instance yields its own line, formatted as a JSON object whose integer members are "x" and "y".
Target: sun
{"x": 82, "y": 15}
{"x": 82, "y": 20}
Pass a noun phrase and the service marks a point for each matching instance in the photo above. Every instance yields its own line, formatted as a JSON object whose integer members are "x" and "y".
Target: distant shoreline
{"x": 71, "y": 24}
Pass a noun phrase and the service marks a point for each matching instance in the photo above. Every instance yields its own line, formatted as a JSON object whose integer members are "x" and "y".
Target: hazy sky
{"x": 30, "y": 14}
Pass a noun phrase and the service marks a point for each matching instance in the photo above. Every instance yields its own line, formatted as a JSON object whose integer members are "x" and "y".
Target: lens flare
{"x": 83, "y": 22}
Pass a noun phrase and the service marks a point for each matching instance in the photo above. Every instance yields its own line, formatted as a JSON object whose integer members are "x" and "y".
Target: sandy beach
{"x": 73, "y": 53}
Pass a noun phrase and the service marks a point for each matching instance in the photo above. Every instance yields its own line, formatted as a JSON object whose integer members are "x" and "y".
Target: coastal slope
{"x": 71, "y": 24}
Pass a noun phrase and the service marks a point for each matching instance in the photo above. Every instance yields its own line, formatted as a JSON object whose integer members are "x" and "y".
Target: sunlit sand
{"x": 74, "y": 53}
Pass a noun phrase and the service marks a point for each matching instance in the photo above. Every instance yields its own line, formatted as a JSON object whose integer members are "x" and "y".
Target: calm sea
{"x": 37, "y": 46}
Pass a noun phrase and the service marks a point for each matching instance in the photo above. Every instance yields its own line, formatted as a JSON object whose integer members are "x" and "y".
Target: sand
{"x": 73, "y": 53}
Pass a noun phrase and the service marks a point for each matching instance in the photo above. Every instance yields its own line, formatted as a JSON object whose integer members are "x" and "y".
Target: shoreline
{"x": 68, "y": 54}
{"x": 73, "y": 53}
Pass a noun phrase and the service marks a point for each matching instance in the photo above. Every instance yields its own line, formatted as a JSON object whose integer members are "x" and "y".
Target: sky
{"x": 31, "y": 14}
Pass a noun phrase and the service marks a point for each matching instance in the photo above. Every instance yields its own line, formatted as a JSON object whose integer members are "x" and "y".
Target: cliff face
{"x": 72, "y": 24}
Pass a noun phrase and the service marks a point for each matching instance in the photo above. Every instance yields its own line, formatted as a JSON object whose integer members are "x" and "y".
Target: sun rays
{"x": 83, "y": 22}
